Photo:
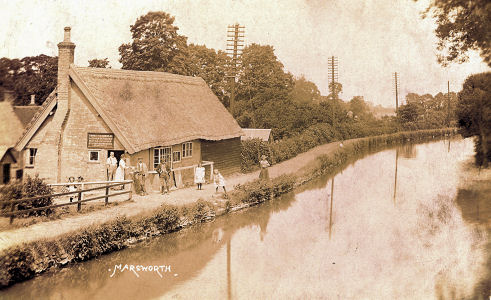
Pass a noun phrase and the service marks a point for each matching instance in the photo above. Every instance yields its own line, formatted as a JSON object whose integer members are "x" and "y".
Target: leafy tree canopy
{"x": 474, "y": 113}
{"x": 99, "y": 63}
{"x": 200, "y": 61}
{"x": 359, "y": 107}
{"x": 462, "y": 25}
{"x": 29, "y": 75}
{"x": 261, "y": 77}
{"x": 305, "y": 91}
{"x": 155, "y": 43}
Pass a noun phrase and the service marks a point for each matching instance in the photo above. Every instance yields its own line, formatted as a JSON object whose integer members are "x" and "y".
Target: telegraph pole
{"x": 396, "y": 82}
{"x": 235, "y": 45}
{"x": 333, "y": 75}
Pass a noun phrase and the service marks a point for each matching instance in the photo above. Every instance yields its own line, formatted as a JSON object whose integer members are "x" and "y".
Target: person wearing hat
{"x": 111, "y": 166}
{"x": 264, "y": 164}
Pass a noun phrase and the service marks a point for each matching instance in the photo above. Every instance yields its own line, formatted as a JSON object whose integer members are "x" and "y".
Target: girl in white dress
{"x": 199, "y": 175}
{"x": 219, "y": 181}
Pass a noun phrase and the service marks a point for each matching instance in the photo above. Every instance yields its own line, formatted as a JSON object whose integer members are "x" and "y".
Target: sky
{"x": 372, "y": 39}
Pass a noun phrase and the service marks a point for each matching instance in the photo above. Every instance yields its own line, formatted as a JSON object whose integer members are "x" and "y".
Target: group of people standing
{"x": 118, "y": 172}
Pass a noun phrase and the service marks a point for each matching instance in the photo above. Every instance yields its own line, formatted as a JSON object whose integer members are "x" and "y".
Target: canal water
{"x": 389, "y": 226}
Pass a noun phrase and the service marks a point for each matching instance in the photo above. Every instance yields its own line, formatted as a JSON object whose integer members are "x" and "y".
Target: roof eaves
{"x": 36, "y": 121}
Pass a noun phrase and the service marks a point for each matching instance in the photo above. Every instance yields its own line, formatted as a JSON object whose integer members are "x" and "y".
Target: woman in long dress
{"x": 264, "y": 164}
{"x": 120, "y": 172}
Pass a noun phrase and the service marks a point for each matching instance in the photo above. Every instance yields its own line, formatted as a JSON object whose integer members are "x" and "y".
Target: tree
{"x": 29, "y": 75}
{"x": 474, "y": 114}
{"x": 155, "y": 43}
{"x": 462, "y": 25}
{"x": 262, "y": 88}
{"x": 359, "y": 107}
{"x": 99, "y": 63}
{"x": 261, "y": 76}
{"x": 408, "y": 114}
{"x": 335, "y": 88}
{"x": 305, "y": 91}
{"x": 200, "y": 61}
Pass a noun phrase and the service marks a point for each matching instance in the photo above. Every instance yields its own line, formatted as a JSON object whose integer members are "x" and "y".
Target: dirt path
{"x": 141, "y": 204}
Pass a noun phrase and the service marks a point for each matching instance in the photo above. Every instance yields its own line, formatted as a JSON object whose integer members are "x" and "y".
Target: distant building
{"x": 155, "y": 116}
{"x": 13, "y": 120}
{"x": 256, "y": 133}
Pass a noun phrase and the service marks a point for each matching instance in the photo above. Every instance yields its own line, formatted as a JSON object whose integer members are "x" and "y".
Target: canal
{"x": 398, "y": 224}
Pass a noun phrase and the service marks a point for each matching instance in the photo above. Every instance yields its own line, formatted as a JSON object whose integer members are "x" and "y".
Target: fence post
{"x": 12, "y": 208}
{"x": 79, "y": 204}
{"x": 107, "y": 197}
{"x": 130, "y": 194}
{"x": 82, "y": 188}
{"x": 211, "y": 171}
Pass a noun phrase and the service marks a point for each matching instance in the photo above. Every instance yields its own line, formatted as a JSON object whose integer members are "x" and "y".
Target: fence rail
{"x": 79, "y": 193}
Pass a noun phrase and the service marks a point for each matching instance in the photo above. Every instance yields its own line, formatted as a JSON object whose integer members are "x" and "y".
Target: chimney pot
{"x": 33, "y": 99}
{"x": 66, "y": 37}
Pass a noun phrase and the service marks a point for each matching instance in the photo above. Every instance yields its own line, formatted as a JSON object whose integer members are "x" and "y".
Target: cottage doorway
{"x": 6, "y": 173}
{"x": 117, "y": 154}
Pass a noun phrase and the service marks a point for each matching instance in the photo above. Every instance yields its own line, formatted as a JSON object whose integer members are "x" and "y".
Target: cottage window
{"x": 176, "y": 156}
{"x": 93, "y": 156}
{"x": 161, "y": 154}
{"x": 32, "y": 156}
{"x": 187, "y": 149}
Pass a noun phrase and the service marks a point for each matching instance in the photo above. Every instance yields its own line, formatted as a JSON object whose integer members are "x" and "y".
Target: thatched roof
{"x": 25, "y": 113}
{"x": 152, "y": 109}
{"x": 256, "y": 133}
{"x": 11, "y": 127}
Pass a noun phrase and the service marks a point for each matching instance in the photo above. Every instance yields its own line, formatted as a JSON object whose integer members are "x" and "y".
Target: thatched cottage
{"x": 150, "y": 115}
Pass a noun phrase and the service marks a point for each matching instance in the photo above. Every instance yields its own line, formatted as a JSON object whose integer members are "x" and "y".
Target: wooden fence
{"x": 79, "y": 193}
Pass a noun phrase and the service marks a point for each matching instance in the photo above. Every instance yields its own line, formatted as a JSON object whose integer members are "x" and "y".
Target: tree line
{"x": 266, "y": 96}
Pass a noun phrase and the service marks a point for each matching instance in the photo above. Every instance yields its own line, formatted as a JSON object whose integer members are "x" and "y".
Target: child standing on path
{"x": 71, "y": 187}
{"x": 199, "y": 175}
{"x": 219, "y": 181}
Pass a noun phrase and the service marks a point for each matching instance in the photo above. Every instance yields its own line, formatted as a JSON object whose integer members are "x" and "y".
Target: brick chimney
{"x": 66, "y": 54}
{"x": 33, "y": 100}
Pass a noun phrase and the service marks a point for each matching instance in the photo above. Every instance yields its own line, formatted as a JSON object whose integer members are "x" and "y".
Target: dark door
{"x": 117, "y": 153}
{"x": 6, "y": 173}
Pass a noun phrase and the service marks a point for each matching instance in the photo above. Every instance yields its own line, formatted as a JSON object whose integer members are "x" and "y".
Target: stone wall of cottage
{"x": 45, "y": 140}
{"x": 83, "y": 119}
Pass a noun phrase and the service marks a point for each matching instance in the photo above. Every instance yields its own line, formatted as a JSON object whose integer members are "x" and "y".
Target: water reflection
{"x": 330, "y": 208}
{"x": 187, "y": 252}
{"x": 474, "y": 202}
{"x": 427, "y": 246}
{"x": 395, "y": 175}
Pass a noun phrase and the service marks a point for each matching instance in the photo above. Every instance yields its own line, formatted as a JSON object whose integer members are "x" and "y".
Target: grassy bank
{"x": 26, "y": 261}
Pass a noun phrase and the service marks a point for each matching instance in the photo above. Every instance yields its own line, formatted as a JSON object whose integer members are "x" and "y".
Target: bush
{"x": 30, "y": 188}
{"x": 167, "y": 219}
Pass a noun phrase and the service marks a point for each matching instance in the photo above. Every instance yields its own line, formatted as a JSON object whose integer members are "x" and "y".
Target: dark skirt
{"x": 264, "y": 174}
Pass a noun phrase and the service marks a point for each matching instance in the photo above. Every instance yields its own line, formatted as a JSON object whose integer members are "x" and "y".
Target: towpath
{"x": 51, "y": 229}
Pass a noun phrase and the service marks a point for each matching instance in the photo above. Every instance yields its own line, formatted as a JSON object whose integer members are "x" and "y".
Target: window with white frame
{"x": 176, "y": 156}
{"x": 94, "y": 155}
{"x": 31, "y": 160}
{"x": 161, "y": 154}
{"x": 187, "y": 149}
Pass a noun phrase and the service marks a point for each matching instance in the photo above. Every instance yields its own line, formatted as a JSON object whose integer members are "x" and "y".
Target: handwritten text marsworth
{"x": 140, "y": 268}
